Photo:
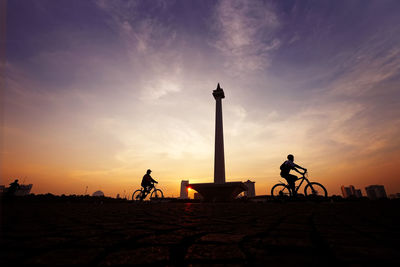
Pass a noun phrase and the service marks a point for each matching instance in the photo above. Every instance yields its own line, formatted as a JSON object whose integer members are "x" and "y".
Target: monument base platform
{"x": 219, "y": 192}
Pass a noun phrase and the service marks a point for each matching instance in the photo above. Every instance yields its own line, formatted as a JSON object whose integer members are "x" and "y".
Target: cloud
{"x": 368, "y": 67}
{"x": 158, "y": 88}
{"x": 142, "y": 32}
{"x": 357, "y": 117}
{"x": 151, "y": 45}
{"x": 246, "y": 33}
{"x": 163, "y": 138}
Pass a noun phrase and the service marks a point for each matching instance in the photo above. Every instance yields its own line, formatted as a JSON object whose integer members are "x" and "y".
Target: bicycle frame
{"x": 147, "y": 193}
{"x": 302, "y": 180}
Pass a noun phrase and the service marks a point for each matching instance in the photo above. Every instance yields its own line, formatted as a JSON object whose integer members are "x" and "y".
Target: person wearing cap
{"x": 148, "y": 181}
{"x": 290, "y": 178}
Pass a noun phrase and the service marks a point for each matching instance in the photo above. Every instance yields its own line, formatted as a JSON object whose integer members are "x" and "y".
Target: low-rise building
{"x": 184, "y": 190}
{"x": 376, "y": 192}
{"x": 351, "y": 191}
{"x": 250, "y": 192}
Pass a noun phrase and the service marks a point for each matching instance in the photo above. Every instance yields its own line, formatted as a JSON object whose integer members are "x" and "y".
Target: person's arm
{"x": 297, "y": 166}
{"x": 297, "y": 170}
{"x": 153, "y": 181}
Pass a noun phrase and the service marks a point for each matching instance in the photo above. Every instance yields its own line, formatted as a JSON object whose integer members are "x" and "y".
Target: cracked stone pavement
{"x": 201, "y": 234}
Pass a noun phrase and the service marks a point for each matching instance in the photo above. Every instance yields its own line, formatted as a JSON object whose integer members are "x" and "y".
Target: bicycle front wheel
{"x": 280, "y": 190}
{"x": 137, "y": 195}
{"x": 157, "y": 194}
{"x": 315, "y": 190}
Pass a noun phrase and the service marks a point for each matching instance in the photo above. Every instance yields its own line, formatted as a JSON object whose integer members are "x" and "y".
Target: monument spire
{"x": 219, "y": 190}
{"x": 219, "y": 157}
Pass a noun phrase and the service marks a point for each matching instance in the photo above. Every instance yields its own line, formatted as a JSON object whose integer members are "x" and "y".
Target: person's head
{"x": 16, "y": 181}
{"x": 148, "y": 171}
{"x": 290, "y": 157}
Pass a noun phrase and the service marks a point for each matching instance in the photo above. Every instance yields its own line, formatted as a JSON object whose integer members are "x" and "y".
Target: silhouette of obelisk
{"x": 219, "y": 190}
{"x": 219, "y": 158}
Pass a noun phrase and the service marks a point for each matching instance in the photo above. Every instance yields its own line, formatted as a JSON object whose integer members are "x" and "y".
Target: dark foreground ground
{"x": 195, "y": 234}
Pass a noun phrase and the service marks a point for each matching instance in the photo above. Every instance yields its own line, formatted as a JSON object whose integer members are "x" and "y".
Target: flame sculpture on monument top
{"x": 219, "y": 190}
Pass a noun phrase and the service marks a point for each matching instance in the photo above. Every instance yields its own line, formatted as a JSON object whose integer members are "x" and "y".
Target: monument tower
{"x": 220, "y": 190}
{"x": 219, "y": 158}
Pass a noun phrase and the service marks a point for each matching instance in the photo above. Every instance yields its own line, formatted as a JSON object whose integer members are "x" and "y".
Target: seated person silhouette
{"x": 147, "y": 182}
{"x": 14, "y": 186}
{"x": 285, "y": 172}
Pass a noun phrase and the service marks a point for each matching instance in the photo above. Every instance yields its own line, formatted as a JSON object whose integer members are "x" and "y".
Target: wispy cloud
{"x": 151, "y": 45}
{"x": 157, "y": 88}
{"x": 140, "y": 31}
{"x": 246, "y": 33}
{"x": 368, "y": 67}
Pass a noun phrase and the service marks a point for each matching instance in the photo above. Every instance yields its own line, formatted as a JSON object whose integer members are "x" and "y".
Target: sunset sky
{"x": 96, "y": 92}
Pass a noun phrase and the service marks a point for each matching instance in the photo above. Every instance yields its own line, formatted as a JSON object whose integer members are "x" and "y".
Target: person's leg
{"x": 144, "y": 191}
{"x": 147, "y": 189}
{"x": 291, "y": 180}
{"x": 291, "y": 186}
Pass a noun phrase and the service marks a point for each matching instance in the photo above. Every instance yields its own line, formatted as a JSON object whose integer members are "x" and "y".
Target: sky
{"x": 97, "y": 92}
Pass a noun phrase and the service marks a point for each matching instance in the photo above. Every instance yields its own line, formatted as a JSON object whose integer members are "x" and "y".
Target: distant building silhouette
{"x": 394, "y": 196}
{"x": 351, "y": 191}
{"x": 184, "y": 190}
{"x": 358, "y": 193}
{"x": 98, "y": 194}
{"x": 346, "y": 192}
{"x": 376, "y": 192}
{"x": 250, "y": 192}
{"x": 197, "y": 196}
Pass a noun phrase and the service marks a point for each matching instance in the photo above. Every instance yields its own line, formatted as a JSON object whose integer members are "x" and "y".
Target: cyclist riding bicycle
{"x": 147, "y": 182}
{"x": 285, "y": 172}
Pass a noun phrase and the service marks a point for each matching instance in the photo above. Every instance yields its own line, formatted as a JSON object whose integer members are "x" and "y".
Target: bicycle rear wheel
{"x": 137, "y": 195}
{"x": 157, "y": 194}
{"x": 315, "y": 190}
{"x": 280, "y": 190}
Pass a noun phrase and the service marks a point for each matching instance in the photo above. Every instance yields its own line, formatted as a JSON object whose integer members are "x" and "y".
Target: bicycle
{"x": 141, "y": 194}
{"x": 311, "y": 189}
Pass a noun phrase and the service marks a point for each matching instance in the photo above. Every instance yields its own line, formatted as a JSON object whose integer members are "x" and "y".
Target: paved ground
{"x": 194, "y": 234}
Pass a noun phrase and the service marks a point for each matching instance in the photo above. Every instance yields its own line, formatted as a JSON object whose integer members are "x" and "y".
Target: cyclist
{"x": 290, "y": 178}
{"x": 147, "y": 182}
